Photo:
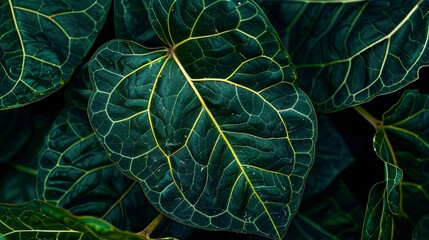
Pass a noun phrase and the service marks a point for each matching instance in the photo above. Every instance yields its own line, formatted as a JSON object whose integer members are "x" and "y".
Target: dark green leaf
{"x": 336, "y": 215}
{"x": 348, "y": 53}
{"x": 332, "y": 157}
{"x": 393, "y": 174}
{"x": 211, "y": 125}
{"x": 75, "y": 172}
{"x": 403, "y": 130}
{"x": 41, "y": 43}
{"x": 415, "y": 185}
{"x": 39, "y": 220}
{"x": 421, "y": 231}
{"x": 18, "y": 175}
{"x": 132, "y": 22}
{"x": 379, "y": 222}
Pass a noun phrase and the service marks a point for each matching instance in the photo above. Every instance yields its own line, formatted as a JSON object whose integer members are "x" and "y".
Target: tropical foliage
{"x": 214, "y": 119}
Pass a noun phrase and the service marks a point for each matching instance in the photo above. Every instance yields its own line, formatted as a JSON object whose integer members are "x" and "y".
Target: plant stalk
{"x": 151, "y": 227}
{"x": 377, "y": 124}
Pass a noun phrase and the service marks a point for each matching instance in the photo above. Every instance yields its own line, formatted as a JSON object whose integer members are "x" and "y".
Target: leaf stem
{"x": 149, "y": 229}
{"x": 24, "y": 169}
{"x": 119, "y": 200}
{"x": 371, "y": 119}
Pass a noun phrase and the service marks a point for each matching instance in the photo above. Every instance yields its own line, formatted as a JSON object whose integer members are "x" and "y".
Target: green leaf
{"x": 378, "y": 222}
{"x": 393, "y": 174}
{"x": 332, "y": 157}
{"x": 406, "y": 124}
{"x": 415, "y": 184}
{"x": 336, "y": 214}
{"x": 41, "y": 44}
{"x": 211, "y": 125}
{"x": 348, "y": 53}
{"x": 39, "y": 220}
{"x": 18, "y": 175}
{"x": 421, "y": 231}
{"x": 132, "y": 22}
{"x": 75, "y": 172}
{"x": 402, "y": 131}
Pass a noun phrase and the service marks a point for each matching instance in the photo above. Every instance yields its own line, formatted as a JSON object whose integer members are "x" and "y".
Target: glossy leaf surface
{"x": 379, "y": 223}
{"x": 403, "y": 130}
{"x": 41, "y": 43}
{"x": 212, "y": 125}
{"x": 348, "y": 53}
{"x": 76, "y": 173}
{"x": 39, "y": 220}
{"x": 404, "y": 143}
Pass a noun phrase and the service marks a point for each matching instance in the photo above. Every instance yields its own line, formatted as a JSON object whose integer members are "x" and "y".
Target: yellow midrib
{"x": 189, "y": 80}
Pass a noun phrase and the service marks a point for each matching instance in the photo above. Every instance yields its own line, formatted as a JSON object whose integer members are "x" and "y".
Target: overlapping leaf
{"x": 393, "y": 174}
{"x": 212, "y": 125}
{"x": 335, "y": 215}
{"x": 132, "y": 22}
{"x": 41, "y": 43}
{"x": 39, "y": 220}
{"x": 403, "y": 129}
{"x": 18, "y": 174}
{"x": 379, "y": 222}
{"x": 76, "y": 173}
{"x": 402, "y": 141}
{"x": 348, "y": 53}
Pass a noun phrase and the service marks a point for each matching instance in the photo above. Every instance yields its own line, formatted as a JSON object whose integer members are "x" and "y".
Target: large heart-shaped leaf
{"x": 41, "y": 43}
{"x": 347, "y": 53}
{"x": 212, "y": 125}
{"x": 75, "y": 172}
{"x": 39, "y": 220}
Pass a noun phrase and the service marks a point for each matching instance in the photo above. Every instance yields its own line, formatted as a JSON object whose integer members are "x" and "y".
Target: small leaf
{"x": 42, "y": 42}
{"x": 347, "y": 53}
{"x": 402, "y": 130}
{"x": 378, "y": 223}
{"x": 39, "y": 220}
{"x": 211, "y": 125}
